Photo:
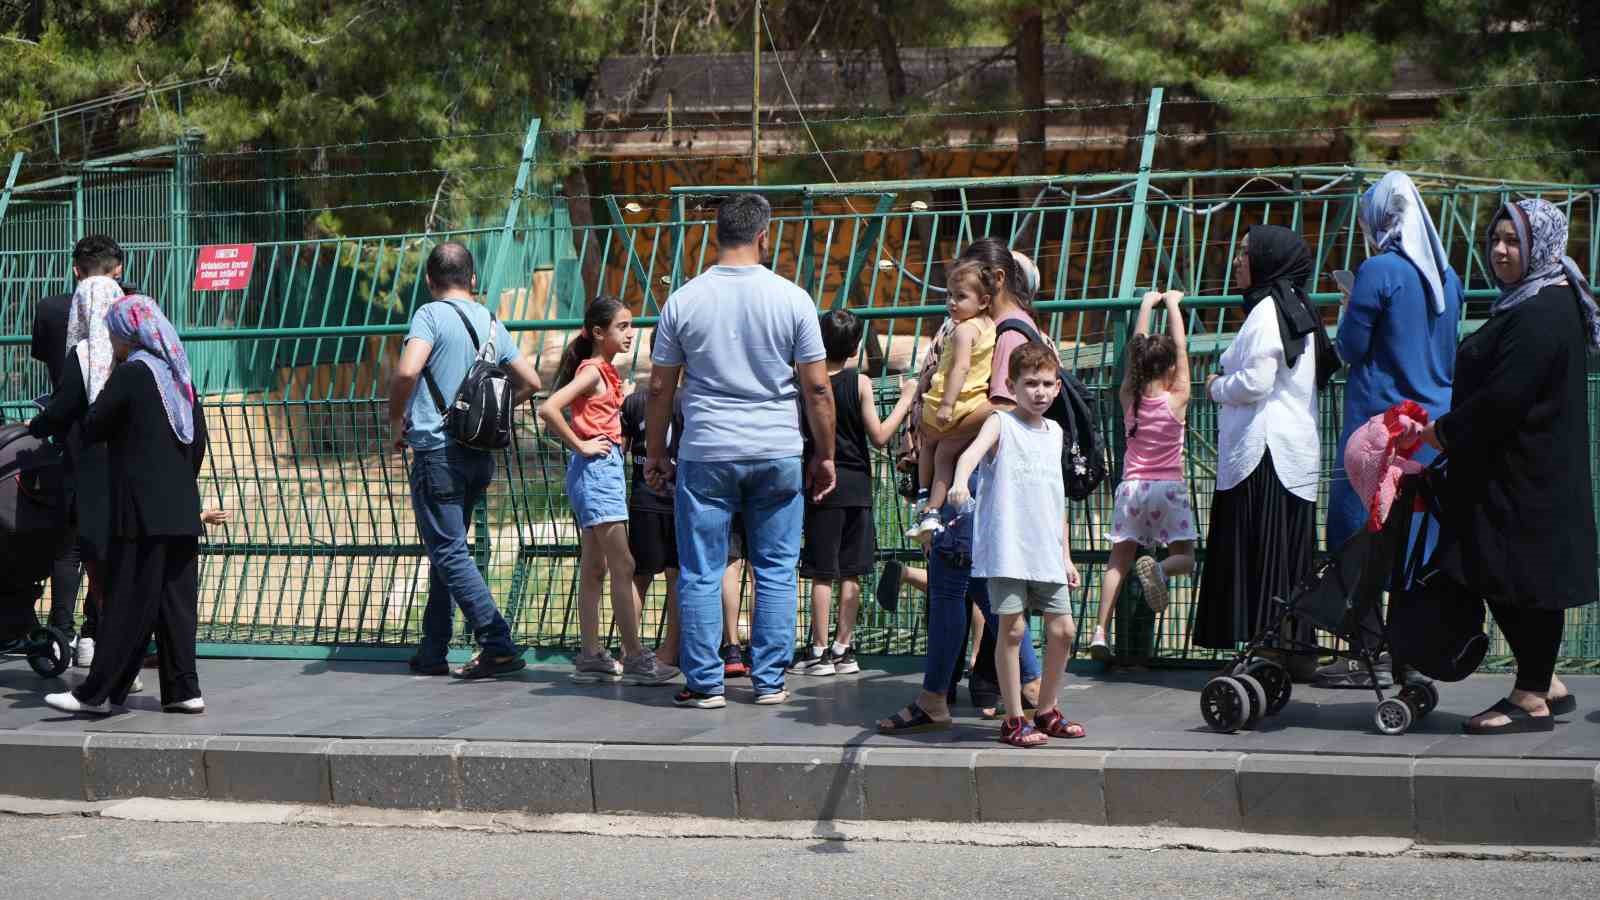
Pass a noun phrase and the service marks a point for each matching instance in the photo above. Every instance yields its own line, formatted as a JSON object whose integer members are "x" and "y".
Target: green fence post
{"x": 11, "y": 182}
{"x": 502, "y": 247}
{"x": 1135, "y": 634}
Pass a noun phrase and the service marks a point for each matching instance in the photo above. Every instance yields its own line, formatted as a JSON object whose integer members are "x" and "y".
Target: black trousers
{"x": 152, "y": 586}
{"x": 66, "y": 575}
{"x": 1535, "y": 639}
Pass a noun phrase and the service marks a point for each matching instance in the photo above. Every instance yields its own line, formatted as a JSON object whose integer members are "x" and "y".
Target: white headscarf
{"x": 86, "y": 330}
{"x": 1394, "y": 218}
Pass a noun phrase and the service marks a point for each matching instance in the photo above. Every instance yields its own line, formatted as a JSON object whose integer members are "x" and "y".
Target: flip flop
{"x": 1522, "y": 722}
{"x": 919, "y": 720}
{"x": 1565, "y": 706}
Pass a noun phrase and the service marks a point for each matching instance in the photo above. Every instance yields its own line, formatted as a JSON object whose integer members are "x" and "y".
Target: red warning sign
{"x": 224, "y": 267}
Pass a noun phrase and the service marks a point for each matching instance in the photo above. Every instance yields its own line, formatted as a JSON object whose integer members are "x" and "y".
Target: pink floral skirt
{"x": 1152, "y": 513}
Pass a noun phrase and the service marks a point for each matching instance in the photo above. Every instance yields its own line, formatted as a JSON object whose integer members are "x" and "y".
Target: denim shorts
{"x": 597, "y": 488}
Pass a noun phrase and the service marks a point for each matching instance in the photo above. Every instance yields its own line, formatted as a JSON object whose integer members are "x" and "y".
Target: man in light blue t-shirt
{"x": 750, "y": 351}
{"x": 448, "y": 479}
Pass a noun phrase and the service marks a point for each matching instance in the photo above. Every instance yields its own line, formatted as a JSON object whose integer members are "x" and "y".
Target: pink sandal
{"x": 1052, "y": 724}
{"x": 1019, "y": 732}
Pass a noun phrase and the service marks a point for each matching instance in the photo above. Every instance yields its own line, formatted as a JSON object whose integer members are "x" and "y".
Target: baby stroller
{"x": 33, "y": 522}
{"x": 1341, "y": 595}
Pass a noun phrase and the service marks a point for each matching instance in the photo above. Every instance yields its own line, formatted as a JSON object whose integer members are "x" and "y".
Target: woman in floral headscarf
{"x": 88, "y": 364}
{"x": 151, "y": 422}
{"x": 1519, "y": 526}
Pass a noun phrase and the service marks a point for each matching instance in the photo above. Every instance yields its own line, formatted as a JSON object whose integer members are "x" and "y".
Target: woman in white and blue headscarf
{"x": 1519, "y": 526}
{"x": 1398, "y": 330}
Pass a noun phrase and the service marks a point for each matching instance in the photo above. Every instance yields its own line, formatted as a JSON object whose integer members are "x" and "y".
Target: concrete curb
{"x": 1436, "y": 801}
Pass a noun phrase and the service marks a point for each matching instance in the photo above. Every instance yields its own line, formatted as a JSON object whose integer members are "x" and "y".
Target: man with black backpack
{"x": 468, "y": 363}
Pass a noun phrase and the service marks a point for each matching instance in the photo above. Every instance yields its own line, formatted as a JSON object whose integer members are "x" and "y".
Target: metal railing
{"x": 323, "y": 552}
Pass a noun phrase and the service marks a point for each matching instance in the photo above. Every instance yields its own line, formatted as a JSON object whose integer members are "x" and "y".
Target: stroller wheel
{"x": 1393, "y": 716}
{"x": 1258, "y": 699}
{"x": 1225, "y": 704}
{"x": 49, "y": 652}
{"x": 1422, "y": 696}
{"x": 1275, "y": 679}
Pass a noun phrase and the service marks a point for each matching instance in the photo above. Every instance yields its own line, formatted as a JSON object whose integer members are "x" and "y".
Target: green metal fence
{"x": 322, "y": 550}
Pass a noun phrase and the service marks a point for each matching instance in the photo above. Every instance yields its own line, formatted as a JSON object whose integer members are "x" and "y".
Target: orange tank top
{"x": 599, "y": 415}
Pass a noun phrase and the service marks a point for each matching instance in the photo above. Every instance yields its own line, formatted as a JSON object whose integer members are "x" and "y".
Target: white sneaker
{"x": 85, "y": 653}
{"x": 927, "y": 528}
{"x": 772, "y": 699}
{"x": 1099, "y": 650}
{"x": 192, "y": 707}
{"x": 137, "y": 686}
{"x": 67, "y": 703}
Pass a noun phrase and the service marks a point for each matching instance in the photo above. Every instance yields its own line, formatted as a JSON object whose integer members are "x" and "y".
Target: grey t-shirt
{"x": 738, "y": 332}
{"x": 451, "y": 358}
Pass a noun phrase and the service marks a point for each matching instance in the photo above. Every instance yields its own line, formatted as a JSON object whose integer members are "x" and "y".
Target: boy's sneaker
{"x": 808, "y": 661}
{"x": 697, "y": 700}
{"x": 85, "y": 653}
{"x": 733, "y": 664}
{"x": 645, "y": 669}
{"x": 1099, "y": 650}
{"x": 772, "y": 699}
{"x": 1352, "y": 673}
{"x": 598, "y": 668}
{"x": 844, "y": 663}
{"x": 927, "y": 528}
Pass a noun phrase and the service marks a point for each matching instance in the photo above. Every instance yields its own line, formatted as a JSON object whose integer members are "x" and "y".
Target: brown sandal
{"x": 1052, "y": 724}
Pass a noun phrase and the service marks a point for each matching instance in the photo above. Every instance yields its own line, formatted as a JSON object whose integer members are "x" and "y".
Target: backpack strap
{"x": 427, "y": 376}
{"x": 1026, "y": 328}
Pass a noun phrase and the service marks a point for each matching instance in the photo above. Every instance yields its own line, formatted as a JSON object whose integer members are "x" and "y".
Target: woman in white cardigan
{"x": 1263, "y": 519}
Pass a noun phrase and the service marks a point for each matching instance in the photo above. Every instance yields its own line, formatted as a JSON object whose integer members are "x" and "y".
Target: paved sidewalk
{"x": 1154, "y": 710}
{"x": 371, "y": 734}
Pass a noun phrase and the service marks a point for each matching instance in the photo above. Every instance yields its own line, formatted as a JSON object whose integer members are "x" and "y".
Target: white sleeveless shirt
{"x": 1021, "y": 505}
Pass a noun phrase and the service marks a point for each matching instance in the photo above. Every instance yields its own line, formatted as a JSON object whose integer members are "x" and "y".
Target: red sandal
{"x": 1019, "y": 732}
{"x": 1052, "y": 724}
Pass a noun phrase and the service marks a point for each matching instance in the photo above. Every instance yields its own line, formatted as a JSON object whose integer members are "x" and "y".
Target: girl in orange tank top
{"x": 1151, "y": 508}
{"x": 589, "y": 389}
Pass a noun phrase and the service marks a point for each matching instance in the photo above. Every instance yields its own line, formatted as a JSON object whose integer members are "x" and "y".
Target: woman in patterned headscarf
{"x": 151, "y": 422}
{"x": 1519, "y": 527}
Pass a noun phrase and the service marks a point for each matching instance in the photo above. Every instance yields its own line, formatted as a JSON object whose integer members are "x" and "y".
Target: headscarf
{"x": 1280, "y": 265}
{"x": 1542, "y": 232}
{"x": 86, "y": 330}
{"x": 137, "y": 320}
{"x": 1395, "y": 220}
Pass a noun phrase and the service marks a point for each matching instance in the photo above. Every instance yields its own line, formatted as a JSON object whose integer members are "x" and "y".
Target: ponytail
{"x": 1150, "y": 356}
{"x": 600, "y": 313}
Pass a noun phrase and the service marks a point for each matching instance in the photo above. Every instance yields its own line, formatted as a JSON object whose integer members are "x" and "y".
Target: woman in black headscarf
{"x": 1263, "y": 520}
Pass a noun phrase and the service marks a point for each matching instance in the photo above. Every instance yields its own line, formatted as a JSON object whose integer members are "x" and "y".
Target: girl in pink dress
{"x": 1152, "y": 507}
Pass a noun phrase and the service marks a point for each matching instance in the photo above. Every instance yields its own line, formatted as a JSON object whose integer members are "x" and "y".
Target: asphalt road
{"x": 67, "y": 856}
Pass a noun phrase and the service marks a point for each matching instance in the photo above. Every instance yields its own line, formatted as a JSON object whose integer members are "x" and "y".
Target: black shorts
{"x": 653, "y": 541}
{"x": 840, "y": 543}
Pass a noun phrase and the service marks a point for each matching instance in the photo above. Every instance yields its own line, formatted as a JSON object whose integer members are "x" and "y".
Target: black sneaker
{"x": 697, "y": 700}
{"x": 844, "y": 663}
{"x": 483, "y": 666}
{"x": 806, "y": 664}
{"x": 733, "y": 662}
{"x": 1352, "y": 673}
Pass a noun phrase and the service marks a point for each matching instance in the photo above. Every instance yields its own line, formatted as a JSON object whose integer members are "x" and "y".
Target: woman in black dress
{"x": 155, "y": 434}
{"x": 1518, "y": 526}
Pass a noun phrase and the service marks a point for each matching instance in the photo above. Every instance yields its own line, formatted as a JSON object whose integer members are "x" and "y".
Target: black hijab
{"x": 1280, "y": 266}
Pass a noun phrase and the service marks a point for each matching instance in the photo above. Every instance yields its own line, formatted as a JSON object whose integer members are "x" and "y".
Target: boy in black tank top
{"x": 840, "y": 541}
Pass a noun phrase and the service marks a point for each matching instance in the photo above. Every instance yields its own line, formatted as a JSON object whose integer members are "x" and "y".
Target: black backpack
{"x": 1083, "y": 456}
{"x": 480, "y": 415}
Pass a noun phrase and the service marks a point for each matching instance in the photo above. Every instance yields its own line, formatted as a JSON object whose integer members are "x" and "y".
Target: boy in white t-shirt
{"x": 1020, "y": 501}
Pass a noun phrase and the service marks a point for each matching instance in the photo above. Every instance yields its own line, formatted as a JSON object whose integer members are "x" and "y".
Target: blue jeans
{"x": 446, "y": 484}
{"x": 769, "y": 495}
{"x": 951, "y": 588}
